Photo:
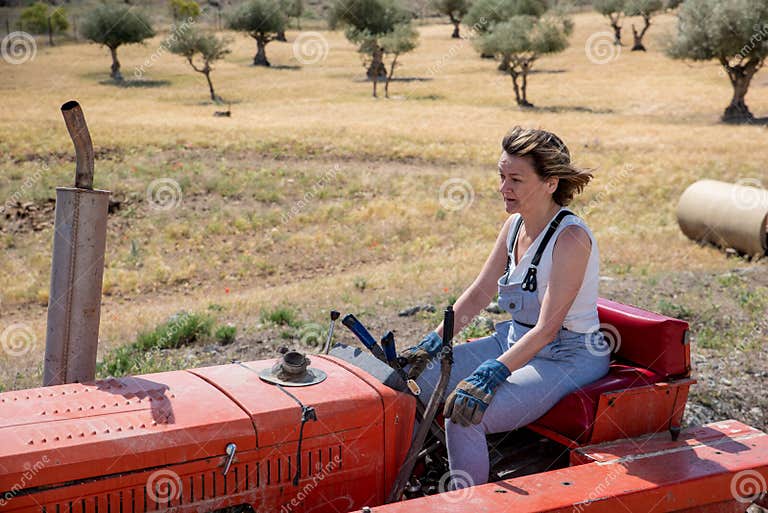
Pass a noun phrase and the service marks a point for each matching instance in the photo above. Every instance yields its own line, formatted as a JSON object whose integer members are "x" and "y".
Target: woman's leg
{"x": 528, "y": 393}
{"x": 466, "y": 358}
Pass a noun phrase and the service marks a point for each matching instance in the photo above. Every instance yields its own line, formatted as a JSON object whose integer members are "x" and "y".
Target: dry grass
{"x": 648, "y": 125}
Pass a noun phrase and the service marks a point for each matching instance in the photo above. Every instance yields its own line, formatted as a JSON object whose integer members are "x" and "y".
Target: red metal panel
{"x": 343, "y": 401}
{"x": 711, "y": 434}
{"x": 399, "y": 414}
{"x": 685, "y": 478}
{"x": 637, "y": 411}
{"x": 77, "y": 431}
{"x": 349, "y": 477}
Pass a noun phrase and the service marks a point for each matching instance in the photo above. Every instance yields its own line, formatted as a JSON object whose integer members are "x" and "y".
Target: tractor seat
{"x": 650, "y": 358}
{"x": 573, "y": 416}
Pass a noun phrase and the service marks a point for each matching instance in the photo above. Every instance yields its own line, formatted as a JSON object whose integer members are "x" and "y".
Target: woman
{"x": 548, "y": 262}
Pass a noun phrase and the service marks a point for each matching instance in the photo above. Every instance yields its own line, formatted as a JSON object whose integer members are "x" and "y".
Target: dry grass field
{"x": 374, "y": 237}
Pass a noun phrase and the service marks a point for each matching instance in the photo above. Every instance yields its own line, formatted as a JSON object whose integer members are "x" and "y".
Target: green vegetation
{"x": 114, "y": 25}
{"x": 455, "y": 10}
{"x": 263, "y": 20}
{"x": 225, "y": 335}
{"x": 370, "y": 24}
{"x": 39, "y": 18}
{"x": 200, "y": 50}
{"x": 520, "y": 41}
{"x": 180, "y": 330}
{"x": 281, "y": 316}
{"x": 185, "y": 10}
{"x": 735, "y": 34}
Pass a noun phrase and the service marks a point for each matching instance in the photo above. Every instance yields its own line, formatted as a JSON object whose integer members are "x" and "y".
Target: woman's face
{"x": 522, "y": 189}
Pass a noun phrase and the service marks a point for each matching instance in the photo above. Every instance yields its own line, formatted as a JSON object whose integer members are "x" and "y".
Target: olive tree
{"x": 484, "y": 14}
{"x": 114, "y": 25}
{"x": 366, "y": 22}
{"x": 263, "y": 20}
{"x": 38, "y": 18}
{"x": 402, "y": 39}
{"x": 521, "y": 41}
{"x": 645, "y": 9}
{"x": 612, "y": 9}
{"x": 732, "y": 32}
{"x": 455, "y": 10}
{"x": 201, "y": 51}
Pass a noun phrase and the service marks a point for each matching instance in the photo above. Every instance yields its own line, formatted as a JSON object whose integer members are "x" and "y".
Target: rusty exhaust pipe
{"x": 77, "y": 266}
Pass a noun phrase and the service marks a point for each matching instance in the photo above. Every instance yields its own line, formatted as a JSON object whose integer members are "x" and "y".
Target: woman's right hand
{"x": 419, "y": 356}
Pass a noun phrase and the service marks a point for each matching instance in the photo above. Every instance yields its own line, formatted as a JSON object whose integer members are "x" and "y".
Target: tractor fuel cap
{"x": 292, "y": 370}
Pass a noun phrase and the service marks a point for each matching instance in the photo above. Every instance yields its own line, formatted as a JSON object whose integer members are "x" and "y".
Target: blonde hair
{"x": 550, "y": 157}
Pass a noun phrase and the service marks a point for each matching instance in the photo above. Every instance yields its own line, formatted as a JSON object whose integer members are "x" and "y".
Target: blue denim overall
{"x": 559, "y": 368}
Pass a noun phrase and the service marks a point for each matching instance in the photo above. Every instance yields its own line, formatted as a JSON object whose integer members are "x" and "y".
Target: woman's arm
{"x": 569, "y": 263}
{"x": 483, "y": 289}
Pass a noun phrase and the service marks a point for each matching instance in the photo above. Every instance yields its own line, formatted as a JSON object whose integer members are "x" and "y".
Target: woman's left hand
{"x": 467, "y": 404}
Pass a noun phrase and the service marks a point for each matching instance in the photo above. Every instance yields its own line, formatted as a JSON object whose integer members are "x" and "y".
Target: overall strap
{"x": 512, "y": 240}
{"x": 529, "y": 282}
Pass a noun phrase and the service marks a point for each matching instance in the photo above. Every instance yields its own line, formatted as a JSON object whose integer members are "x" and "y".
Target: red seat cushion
{"x": 574, "y": 415}
{"x": 645, "y": 338}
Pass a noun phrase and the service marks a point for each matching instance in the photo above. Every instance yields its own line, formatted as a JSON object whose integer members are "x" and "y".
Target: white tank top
{"x": 582, "y": 316}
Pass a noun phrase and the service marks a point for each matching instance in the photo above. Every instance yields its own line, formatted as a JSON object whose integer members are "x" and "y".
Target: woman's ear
{"x": 552, "y": 183}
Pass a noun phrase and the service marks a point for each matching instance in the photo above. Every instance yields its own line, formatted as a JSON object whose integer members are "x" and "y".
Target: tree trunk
{"x": 260, "y": 59}
{"x": 207, "y": 73}
{"x": 389, "y": 77}
{"x": 456, "y": 24}
{"x": 115, "y": 74}
{"x": 504, "y": 64}
{"x": 50, "y": 31}
{"x": 514, "y": 75}
{"x": 281, "y": 36}
{"x": 638, "y": 37}
{"x": 740, "y": 76}
{"x": 524, "y": 87}
{"x": 616, "y": 29}
{"x": 377, "y": 63}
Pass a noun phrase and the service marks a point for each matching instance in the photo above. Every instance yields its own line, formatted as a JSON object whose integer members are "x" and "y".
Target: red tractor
{"x": 223, "y": 439}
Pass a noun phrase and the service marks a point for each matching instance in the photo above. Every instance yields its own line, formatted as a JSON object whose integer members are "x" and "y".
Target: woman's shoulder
{"x": 575, "y": 220}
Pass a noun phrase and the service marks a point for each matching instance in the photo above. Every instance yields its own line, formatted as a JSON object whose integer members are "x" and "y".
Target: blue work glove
{"x": 467, "y": 404}
{"x": 419, "y": 356}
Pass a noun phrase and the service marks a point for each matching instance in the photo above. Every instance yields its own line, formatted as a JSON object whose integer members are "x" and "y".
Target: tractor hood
{"x": 76, "y": 431}
{"x": 69, "y": 433}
